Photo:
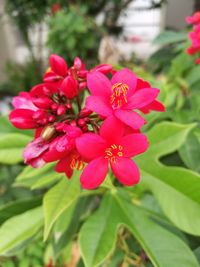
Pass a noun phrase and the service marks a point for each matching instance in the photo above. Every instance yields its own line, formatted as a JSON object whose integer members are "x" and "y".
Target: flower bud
{"x": 61, "y": 110}
{"x": 81, "y": 122}
{"x": 48, "y": 132}
{"x": 85, "y": 113}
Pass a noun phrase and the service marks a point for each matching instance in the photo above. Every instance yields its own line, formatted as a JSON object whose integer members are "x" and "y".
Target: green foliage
{"x": 21, "y": 77}
{"x": 190, "y": 151}
{"x": 16, "y": 231}
{"x": 98, "y": 235}
{"x": 58, "y": 199}
{"x": 170, "y": 37}
{"x": 76, "y": 34}
{"x": 175, "y": 188}
{"x": 26, "y": 13}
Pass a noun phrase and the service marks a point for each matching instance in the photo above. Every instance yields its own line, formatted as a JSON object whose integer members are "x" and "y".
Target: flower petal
{"x": 23, "y": 101}
{"x": 141, "y": 84}
{"x": 99, "y": 104}
{"x": 134, "y": 144}
{"x": 127, "y": 77}
{"x": 90, "y": 146}
{"x": 94, "y": 173}
{"x": 155, "y": 105}
{"x": 142, "y": 98}
{"x": 35, "y": 149}
{"x": 69, "y": 87}
{"x": 37, "y": 162}
{"x": 98, "y": 84}
{"x": 103, "y": 68}
{"x": 131, "y": 118}
{"x": 112, "y": 130}
{"x": 126, "y": 171}
{"x": 22, "y": 118}
{"x": 58, "y": 65}
{"x": 64, "y": 166}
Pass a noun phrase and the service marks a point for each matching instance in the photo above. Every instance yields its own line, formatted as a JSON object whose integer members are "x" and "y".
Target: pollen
{"x": 76, "y": 163}
{"x": 112, "y": 152}
{"x": 119, "y": 95}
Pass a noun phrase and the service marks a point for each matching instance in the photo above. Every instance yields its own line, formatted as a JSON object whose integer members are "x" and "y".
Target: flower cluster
{"x": 194, "y": 36}
{"x": 92, "y": 132}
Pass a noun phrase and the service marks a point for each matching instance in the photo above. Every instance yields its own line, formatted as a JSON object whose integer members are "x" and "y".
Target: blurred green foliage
{"x": 72, "y": 33}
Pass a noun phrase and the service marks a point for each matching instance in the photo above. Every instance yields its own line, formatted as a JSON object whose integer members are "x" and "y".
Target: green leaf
{"x": 176, "y": 189}
{"x": 19, "y": 229}
{"x": 170, "y": 37}
{"x": 99, "y": 233}
{"x": 37, "y": 178}
{"x": 58, "y": 199}
{"x": 17, "y": 207}
{"x": 190, "y": 152}
{"x": 71, "y": 224}
{"x": 11, "y": 146}
{"x": 193, "y": 76}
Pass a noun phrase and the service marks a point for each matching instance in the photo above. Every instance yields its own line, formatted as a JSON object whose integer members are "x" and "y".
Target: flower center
{"x": 112, "y": 152}
{"x": 76, "y": 163}
{"x": 119, "y": 95}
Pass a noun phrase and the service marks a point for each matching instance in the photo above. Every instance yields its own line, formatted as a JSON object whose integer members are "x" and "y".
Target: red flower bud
{"x": 69, "y": 87}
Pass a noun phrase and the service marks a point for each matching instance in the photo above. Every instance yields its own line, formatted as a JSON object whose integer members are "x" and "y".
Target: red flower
{"x": 195, "y": 19}
{"x": 70, "y": 162}
{"x": 112, "y": 148}
{"x": 23, "y": 118}
{"x": 23, "y": 101}
{"x": 197, "y": 61}
{"x": 194, "y": 36}
{"x": 119, "y": 97}
{"x": 34, "y": 151}
{"x": 155, "y": 104}
{"x": 66, "y": 131}
{"x": 55, "y": 8}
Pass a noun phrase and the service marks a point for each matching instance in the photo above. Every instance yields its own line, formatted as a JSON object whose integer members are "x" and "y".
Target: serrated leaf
{"x": 98, "y": 235}
{"x": 58, "y": 199}
{"x": 19, "y": 229}
{"x": 176, "y": 189}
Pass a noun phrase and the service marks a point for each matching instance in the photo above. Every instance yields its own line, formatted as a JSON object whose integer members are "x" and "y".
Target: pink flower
{"x": 66, "y": 131}
{"x": 197, "y": 61}
{"x": 71, "y": 161}
{"x": 195, "y": 19}
{"x": 194, "y": 36}
{"x": 154, "y": 105}
{"x": 58, "y": 69}
{"x": 23, "y": 118}
{"x": 62, "y": 145}
{"x": 103, "y": 68}
{"x": 34, "y": 151}
{"x": 23, "y": 101}
{"x": 112, "y": 148}
{"x": 119, "y": 97}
